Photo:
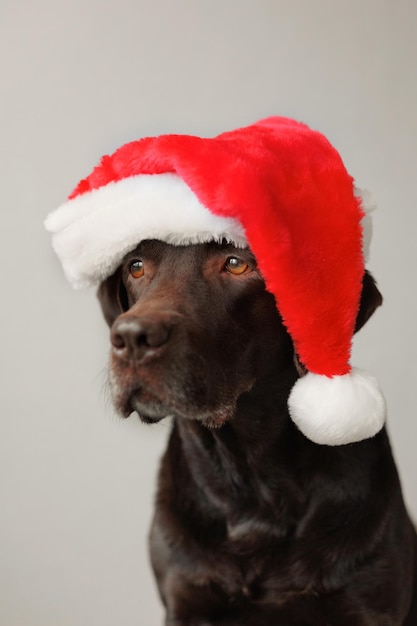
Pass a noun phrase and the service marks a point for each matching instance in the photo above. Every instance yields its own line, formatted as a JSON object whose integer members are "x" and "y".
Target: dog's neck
{"x": 249, "y": 464}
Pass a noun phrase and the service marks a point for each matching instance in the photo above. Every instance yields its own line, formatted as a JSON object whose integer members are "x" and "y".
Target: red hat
{"x": 280, "y": 188}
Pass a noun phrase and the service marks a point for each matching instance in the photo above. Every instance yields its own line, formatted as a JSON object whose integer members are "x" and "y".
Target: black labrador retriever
{"x": 254, "y": 524}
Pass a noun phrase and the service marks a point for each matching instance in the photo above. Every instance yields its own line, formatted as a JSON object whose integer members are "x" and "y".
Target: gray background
{"x": 80, "y": 78}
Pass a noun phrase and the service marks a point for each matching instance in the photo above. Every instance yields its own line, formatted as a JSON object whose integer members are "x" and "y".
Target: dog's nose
{"x": 135, "y": 338}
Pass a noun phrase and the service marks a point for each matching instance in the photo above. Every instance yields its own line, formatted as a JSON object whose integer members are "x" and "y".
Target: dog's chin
{"x": 152, "y": 410}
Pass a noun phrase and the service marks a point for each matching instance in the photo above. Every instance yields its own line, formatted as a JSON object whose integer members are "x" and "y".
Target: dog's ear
{"x": 112, "y": 297}
{"x": 371, "y": 299}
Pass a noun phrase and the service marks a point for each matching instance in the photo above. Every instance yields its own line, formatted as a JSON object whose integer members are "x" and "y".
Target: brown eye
{"x": 137, "y": 269}
{"x": 235, "y": 266}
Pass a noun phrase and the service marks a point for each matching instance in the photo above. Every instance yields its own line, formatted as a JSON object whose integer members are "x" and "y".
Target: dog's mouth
{"x": 152, "y": 408}
{"x": 185, "y": 391}
{"x": 148, "y": 407}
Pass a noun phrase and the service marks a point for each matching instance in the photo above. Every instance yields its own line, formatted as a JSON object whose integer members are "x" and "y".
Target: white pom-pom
{"x": 339, "y": 410}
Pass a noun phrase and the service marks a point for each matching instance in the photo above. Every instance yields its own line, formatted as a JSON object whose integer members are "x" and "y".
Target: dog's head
{"x": 193, "y": 329}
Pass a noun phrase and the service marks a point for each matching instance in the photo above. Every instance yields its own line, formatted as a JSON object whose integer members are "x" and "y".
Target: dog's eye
{"x": 137, "y": 269}
{"x": 236, "y": 266}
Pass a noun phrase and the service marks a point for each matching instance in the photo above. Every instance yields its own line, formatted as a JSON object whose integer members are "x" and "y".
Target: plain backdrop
{"x": 77, "y": 80}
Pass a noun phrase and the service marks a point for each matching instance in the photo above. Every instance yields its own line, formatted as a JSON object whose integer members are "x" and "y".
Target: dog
{"x": 254, "y": 524}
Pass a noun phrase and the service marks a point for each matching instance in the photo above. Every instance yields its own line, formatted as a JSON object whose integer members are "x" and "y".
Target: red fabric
{"x": 289, "y": 189}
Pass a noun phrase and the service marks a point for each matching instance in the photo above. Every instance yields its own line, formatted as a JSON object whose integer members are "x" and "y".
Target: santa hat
{"x": 280, "y": 188}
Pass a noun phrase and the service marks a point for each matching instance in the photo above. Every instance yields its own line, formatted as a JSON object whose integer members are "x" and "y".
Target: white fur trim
{"x": 368, "y": 204}
{"x": 93, "y": 232}
{"x": 339, "y": 410}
